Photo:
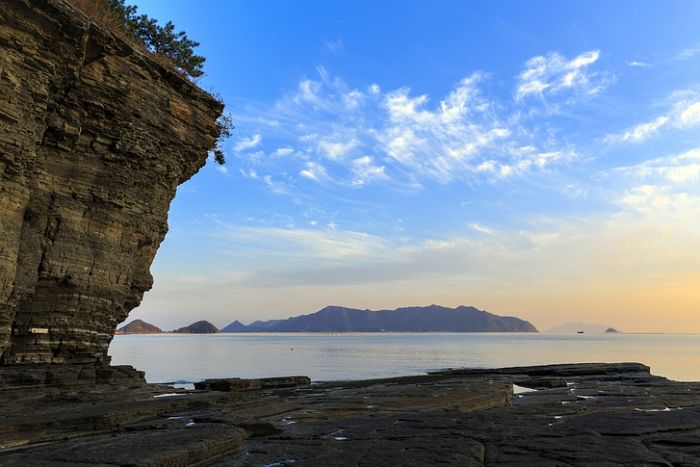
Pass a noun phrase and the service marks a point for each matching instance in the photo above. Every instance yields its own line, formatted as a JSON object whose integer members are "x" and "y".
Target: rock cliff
{"x": 95, "y": 137}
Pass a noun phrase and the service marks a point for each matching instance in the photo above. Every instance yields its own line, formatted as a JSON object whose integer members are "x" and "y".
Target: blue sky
{"x": 540, "y": 159}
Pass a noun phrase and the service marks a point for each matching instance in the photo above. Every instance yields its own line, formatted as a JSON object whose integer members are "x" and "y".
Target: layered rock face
{"x": 95, "y": 137}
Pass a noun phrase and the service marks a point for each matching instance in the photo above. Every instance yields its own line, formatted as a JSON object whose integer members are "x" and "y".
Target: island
{"x": 433, "y": 318}
{"x": 138, "y": 326}
{"x": 199, "y": 327}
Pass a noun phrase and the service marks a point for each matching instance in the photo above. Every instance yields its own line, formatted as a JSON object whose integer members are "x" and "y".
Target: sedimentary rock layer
{"x": 95, "y": 137}
{"x": 583, "y": 414}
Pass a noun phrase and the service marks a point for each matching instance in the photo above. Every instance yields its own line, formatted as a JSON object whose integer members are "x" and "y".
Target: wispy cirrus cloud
{"x": 676, "y": 170}
{"x": 553, "y": 73}
{"x": 683, "y": 111}
{"x": 640, "y": 132}
{"x": 687, "y": 53}
{"x": 248, "y": 143}
{"x": 334, "y": 46}
{"x": 357, "y": 137}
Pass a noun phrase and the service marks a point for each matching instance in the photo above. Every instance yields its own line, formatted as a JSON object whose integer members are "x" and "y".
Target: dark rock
{"x": 558, "y": 370}
{"x": 238, "y": 384}
{"x": 95, "y": 137}
{"x": 66, "y": 376}
{"x": 606, "y": 414}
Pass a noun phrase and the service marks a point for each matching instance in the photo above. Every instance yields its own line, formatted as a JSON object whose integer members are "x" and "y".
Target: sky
{"x": 538, "y": 159}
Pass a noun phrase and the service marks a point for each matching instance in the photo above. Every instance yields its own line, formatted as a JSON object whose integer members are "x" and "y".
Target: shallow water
{"x": 325, "y": 357}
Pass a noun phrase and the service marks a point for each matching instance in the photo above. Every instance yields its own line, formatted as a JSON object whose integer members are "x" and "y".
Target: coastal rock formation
{"x": 200, "y": 327}
{"x": 138, "y": 326}
{"x": 95, "y": 137}
{"x": 433, "y": 318}
{"x": 574, "y": 414}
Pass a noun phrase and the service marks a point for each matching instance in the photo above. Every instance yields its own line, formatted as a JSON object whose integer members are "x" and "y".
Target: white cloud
{"x": 274, "y": 186}
{"x": 464, "y": 134}
{"x": 367, "y": 171}
{"x": 637, "y": 63}
{"x": 676, "y": 169}
{"x": 222, "y": 168}
{"x": 552, "y": 73}
{"x": 335, "y": 46}
{"x": 687, "y": 53}
{"x": 353, "y": 99}
{"x": 282, "y": 152}
{"x": 482, "y": 229}
{"x": 303, "y": 244}
{"x": 334, "y": 149}
{"x": 640, "y": 132}
{"x": 314, "y": 171}
{"x": 308, "y": 92}
{"x": 690, "y": 115}
{"x": 248, "y": 143}
{"x": 651, "y": 237}
{"x": 250, "y": 174}
{"x": 684, "y": 112}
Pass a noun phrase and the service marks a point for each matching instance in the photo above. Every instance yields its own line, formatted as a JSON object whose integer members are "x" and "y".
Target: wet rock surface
{"x": 601, "y": 415}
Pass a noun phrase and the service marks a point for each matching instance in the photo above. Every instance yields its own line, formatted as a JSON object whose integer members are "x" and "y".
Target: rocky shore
{"x": 578, "y": 414}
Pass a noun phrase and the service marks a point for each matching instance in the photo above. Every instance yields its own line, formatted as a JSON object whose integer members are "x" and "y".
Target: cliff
{"x": 95, "y": 137}
{"x": 433, "y": 318}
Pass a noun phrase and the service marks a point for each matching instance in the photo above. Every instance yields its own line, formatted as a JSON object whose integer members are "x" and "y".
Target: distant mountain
{"x": 431, "y": 318}
{"x": 236, "y": 326}
{"x": 575, "y": 327}
{"x": 138, "y": 326}
{"x": 256, "y": 326}
{"x": 200, "y": 327}
{"x": 611, "y": 330}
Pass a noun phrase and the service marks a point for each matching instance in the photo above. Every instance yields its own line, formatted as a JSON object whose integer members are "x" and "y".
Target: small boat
{"x": 579, "y": 332}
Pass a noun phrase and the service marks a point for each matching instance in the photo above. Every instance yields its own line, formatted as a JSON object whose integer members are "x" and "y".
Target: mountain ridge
{"x": 431, "y": 318}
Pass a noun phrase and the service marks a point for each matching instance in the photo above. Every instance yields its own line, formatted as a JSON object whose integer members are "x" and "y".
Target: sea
{"x": 186, "y": 358}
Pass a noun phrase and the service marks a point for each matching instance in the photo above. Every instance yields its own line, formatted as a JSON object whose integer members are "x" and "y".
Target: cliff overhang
{"x": 95, "y": 137}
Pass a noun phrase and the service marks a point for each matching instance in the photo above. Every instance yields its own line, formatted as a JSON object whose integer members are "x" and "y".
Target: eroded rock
{"x": 95, "y": 137}
{"x": 599, "y": 417}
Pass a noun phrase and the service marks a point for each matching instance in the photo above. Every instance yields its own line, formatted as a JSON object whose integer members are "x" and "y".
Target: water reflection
{"x": 323, "y": 357}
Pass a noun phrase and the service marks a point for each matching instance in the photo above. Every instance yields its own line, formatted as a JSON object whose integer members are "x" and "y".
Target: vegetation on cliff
{"x": 174, "y": 47}
{"x": 117, "y": 16}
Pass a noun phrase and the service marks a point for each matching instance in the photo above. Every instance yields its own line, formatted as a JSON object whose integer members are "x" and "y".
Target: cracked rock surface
{"x": 583, "y": 414}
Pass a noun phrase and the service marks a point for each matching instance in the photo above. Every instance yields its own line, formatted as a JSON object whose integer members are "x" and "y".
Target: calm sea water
{"x": 326, "y": 357}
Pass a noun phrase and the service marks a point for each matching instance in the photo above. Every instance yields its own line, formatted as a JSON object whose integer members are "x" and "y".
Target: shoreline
{"x": 570, "y": 414}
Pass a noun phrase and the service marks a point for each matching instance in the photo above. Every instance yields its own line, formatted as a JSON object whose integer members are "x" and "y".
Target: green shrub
{"x": 163, "y": 40}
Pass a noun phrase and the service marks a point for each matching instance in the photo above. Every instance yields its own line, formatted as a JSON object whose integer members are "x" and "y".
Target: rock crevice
{"x": 95, "y": 137}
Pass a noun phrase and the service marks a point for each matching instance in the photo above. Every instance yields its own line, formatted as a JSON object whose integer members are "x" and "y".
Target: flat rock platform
{"x": 556, "y": 415}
